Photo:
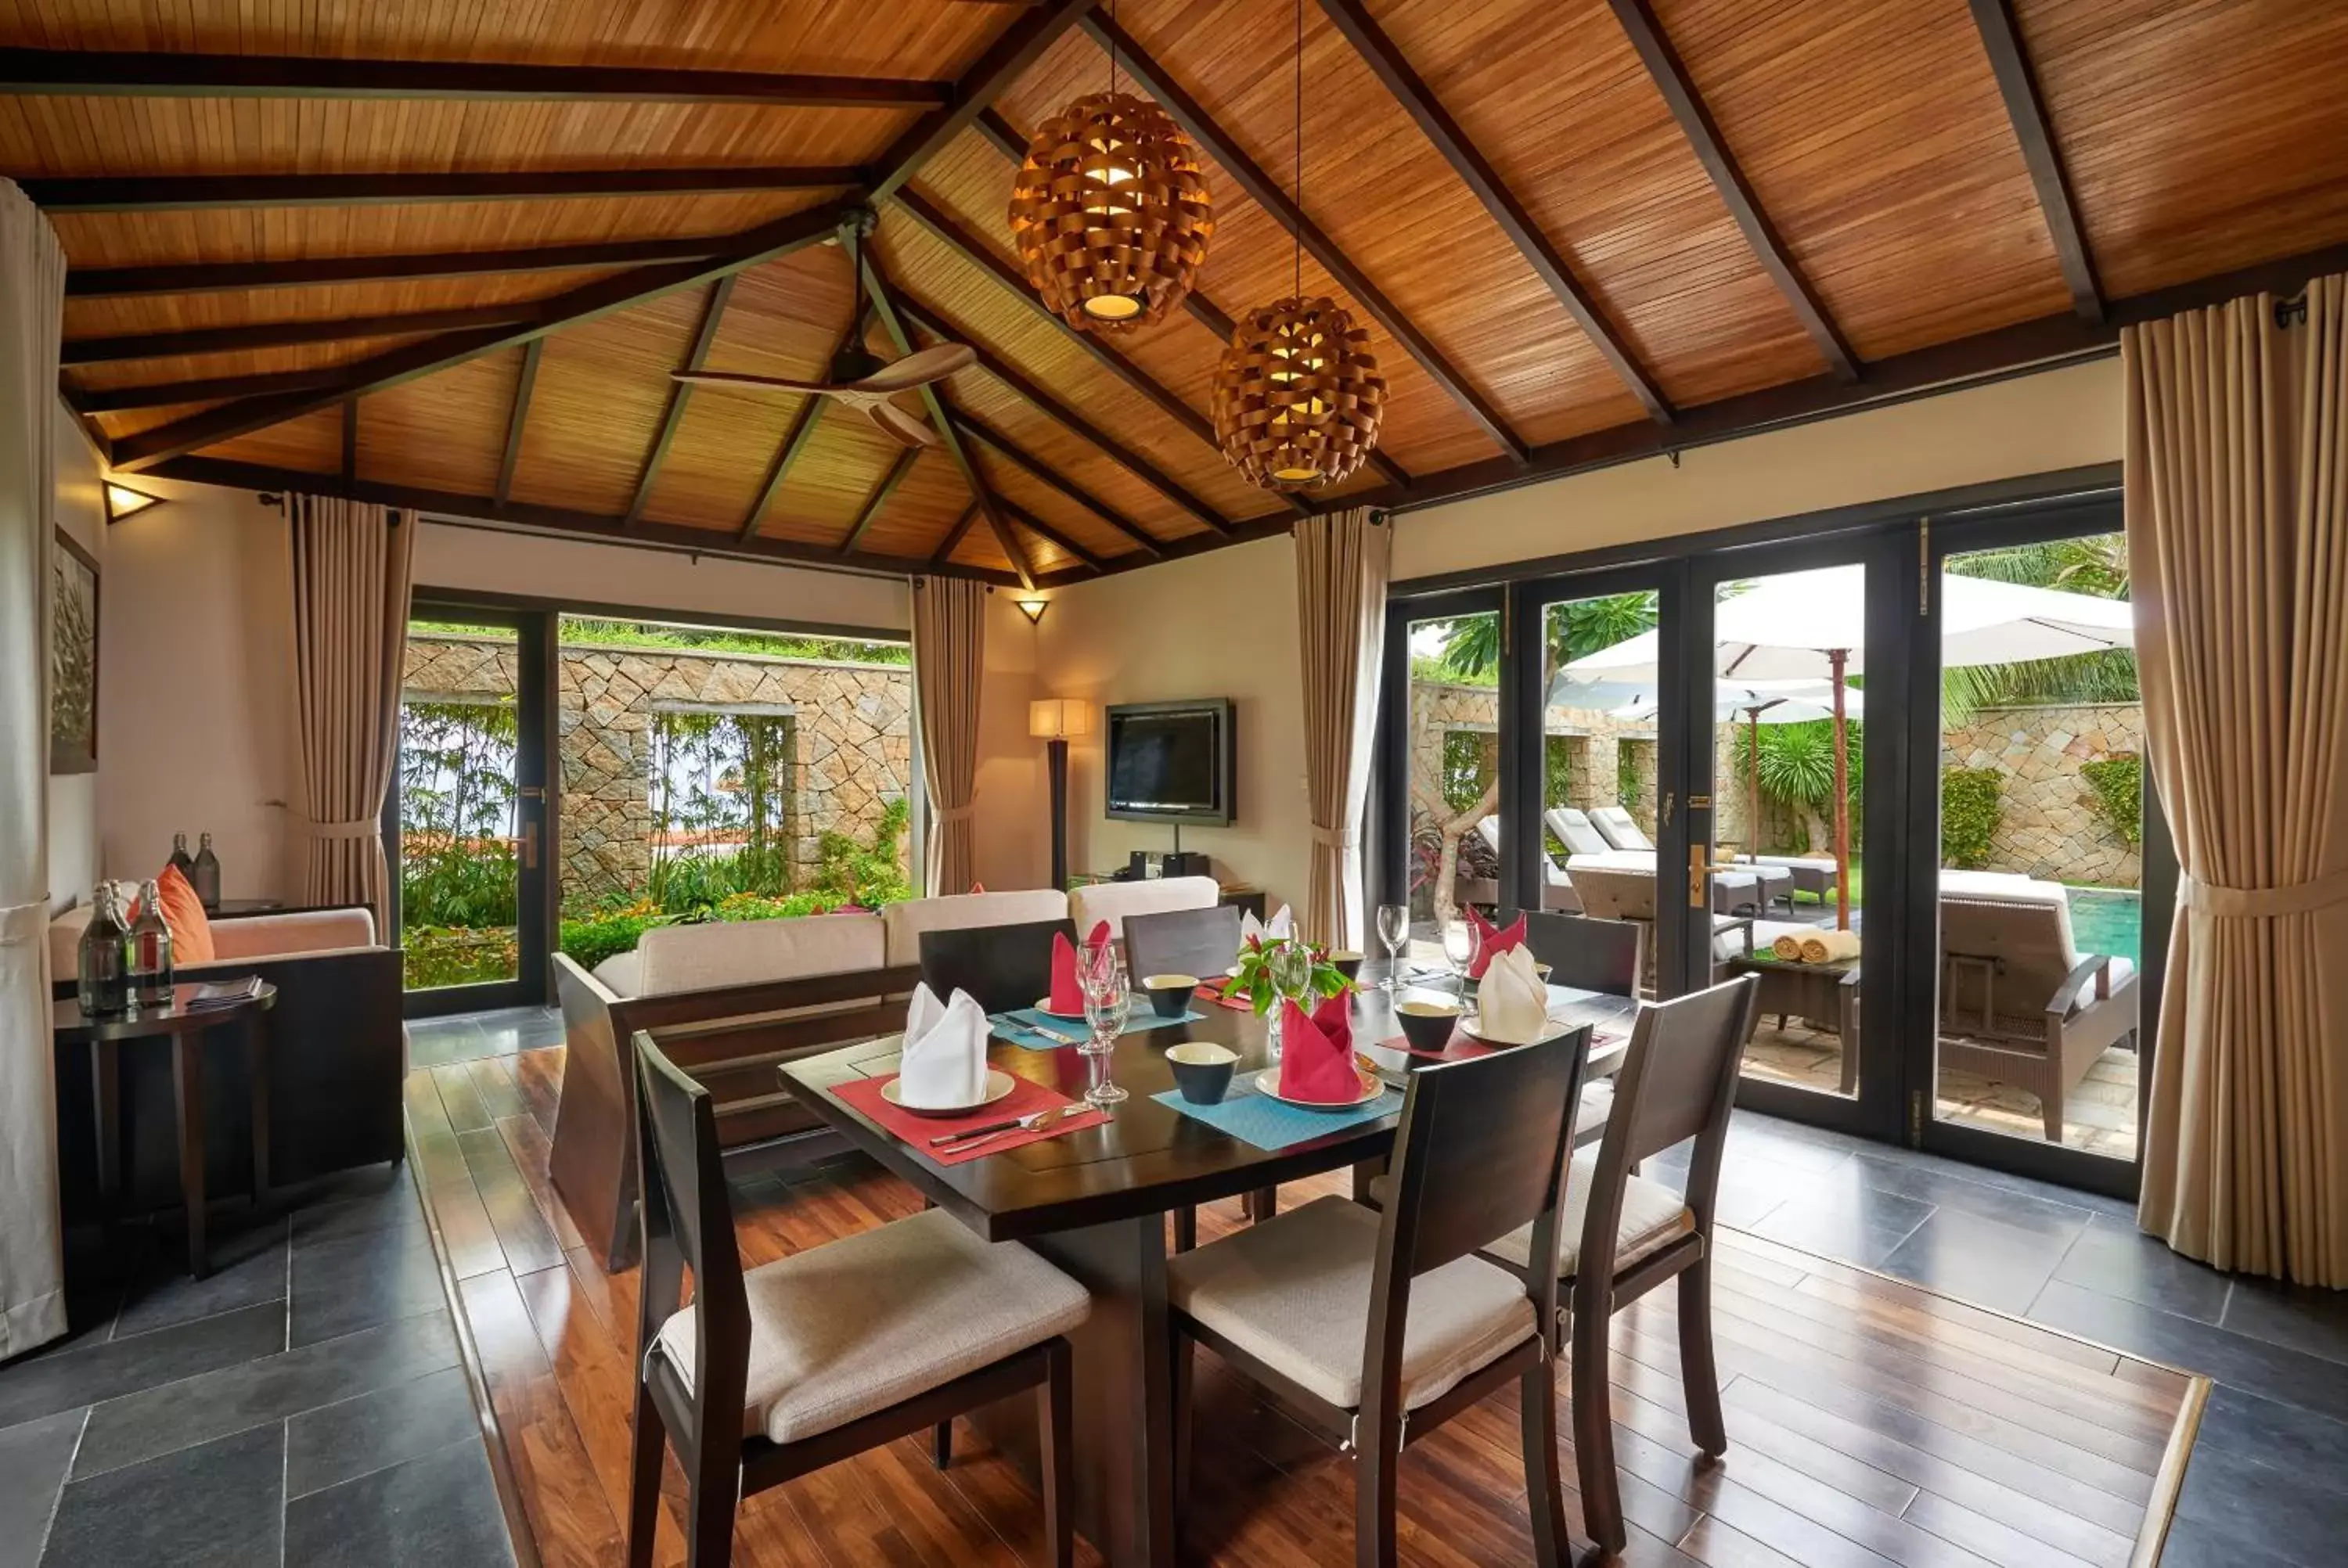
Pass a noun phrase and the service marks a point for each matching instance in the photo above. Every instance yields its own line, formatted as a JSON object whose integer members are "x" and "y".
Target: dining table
{"x": 1096, "y": 1202}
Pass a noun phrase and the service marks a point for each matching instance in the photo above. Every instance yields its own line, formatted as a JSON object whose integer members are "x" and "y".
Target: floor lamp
{"x": 1056, "y": 721}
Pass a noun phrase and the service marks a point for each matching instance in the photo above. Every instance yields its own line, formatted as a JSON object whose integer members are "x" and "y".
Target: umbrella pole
{"x": 1838, "y": 659}
{"x": 1752, "y": 788}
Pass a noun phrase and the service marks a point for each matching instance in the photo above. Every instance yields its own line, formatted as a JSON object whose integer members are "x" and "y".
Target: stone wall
{"x": 2050, "y": 822}
{"x": 850, "y": 739}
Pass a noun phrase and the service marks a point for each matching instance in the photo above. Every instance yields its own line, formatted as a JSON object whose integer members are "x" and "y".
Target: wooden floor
{"x": 1871, "y": 1421}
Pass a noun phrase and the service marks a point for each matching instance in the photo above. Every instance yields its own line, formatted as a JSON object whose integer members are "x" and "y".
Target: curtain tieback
{"x": 367, "y": 828}
{"x": 2264, "y": 903}
{"x": 1336, "y": 837}
{"x": 954, "y": 812}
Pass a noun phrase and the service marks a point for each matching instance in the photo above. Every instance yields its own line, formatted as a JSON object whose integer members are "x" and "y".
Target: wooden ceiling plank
{"x": 1004, "y": 137}
{"x": 350, "y": 439}
{"x": 1386, "y": 60}
{"x": 281, "y": 334}
{"x": 971, "y": 425}
{"x": 681, "y": 393}
{"x": 2025, "y": 105}
{"x": 994, "y": 365}
{"x": 955, "y": 535}
{"x": 99, "y": 74}
{"x": 763, "y": 243}
{"x": 215, "y": 277}
{"x": 169, "y": 393}
{"x": 801, "y": 433}
{"x": 880, "y": 496}
{"x": 180, "y": 193}
{"x": 1015, "y": 48}
{"x": 532, "y": 353}
{"x": 1266, "y": 192}
{"x": 1695, "y": 121}
{"x": 1037, "y": 525}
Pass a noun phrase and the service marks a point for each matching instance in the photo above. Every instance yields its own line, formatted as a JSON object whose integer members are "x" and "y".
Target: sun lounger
{"x": 1621, "y": 829}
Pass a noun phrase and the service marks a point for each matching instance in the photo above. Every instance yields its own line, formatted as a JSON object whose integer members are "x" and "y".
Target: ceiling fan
{"x": 859, "y": 378}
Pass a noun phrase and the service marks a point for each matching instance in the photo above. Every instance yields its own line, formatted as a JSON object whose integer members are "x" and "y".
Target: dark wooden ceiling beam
{"x": 394, "y": 366}
{"x": 955, "y": 535}
{"x": 1042, "y": 529}
{"x": 281, "y": 334}
{"x": 979, "y": 430}
{"x": 525, "y": 386}
{"x": 1266, "y": 192}
{"x": 899, "y": 467}
{"x": 680, "y": 393}
{"x": 941, "y": 418}
{"x": 207, "y": 389}
{"x": 1671, "y": 79}
{"x": 179, "y": 193}
{"x": 1386, "y": 61}
{"x": 88, "y": 74}
{"x": 314, "y": 271}
{"x": 1019, "y": 45}
{"x": 526, "y": 518}
{"x": 2025, "y": 105}
{"x": 931, "y": 320}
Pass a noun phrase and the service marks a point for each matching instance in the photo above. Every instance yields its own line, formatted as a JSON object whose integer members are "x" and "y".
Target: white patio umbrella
{"x": 1767, "y": 703}
{"x": 1812, "y": 625}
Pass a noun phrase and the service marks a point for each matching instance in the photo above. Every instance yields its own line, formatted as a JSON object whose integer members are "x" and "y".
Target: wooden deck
{"x": 1872, "y": 1421}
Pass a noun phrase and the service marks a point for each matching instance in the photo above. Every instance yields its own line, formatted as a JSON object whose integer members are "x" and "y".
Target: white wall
{"x": 73, "y": 797}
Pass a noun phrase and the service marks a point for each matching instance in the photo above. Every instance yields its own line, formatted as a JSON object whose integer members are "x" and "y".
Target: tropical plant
{"x": 1796, "y": 769}
{"x": 867, "y": 874}
{"x": 2116, "y": 787}
{"x": 457, "y": 794}
{"x": 1251, "y": 976}
{"x": 1969, "y": 813}
{"x": 720, "y": 777}
{"x": 1472, "y": 644}
{"x": 1468, "y": 758}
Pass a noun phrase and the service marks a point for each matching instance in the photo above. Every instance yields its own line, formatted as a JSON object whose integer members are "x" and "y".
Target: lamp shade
{"x": 1059, "y": 719}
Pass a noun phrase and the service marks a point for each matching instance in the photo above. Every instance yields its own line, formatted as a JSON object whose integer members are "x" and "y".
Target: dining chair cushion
{"x": 854, "y": 1326}
{"x": 1293, "y": 1292}
{"x": 1653, "y": 1216}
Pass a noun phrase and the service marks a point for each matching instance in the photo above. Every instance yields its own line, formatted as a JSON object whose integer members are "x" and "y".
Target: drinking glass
{"x": 1109, "y": 1001}
{"x": 1288, "y": 970}
{"x": 1394, "y": 930}
{"x": 1460, "y": 947}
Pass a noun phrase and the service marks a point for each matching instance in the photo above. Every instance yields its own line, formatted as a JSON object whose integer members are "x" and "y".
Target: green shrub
{"x": 469, "y": 882}
{"x": 456, "y": 956}
{"x": 2117, "y": 787}
{"x": 867, "y": 874}
{"x": 596, "y": 937}
{"x": 1969, "y": 813}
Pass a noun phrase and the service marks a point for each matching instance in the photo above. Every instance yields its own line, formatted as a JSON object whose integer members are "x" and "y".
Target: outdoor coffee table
{"x": 1809, "y": 990}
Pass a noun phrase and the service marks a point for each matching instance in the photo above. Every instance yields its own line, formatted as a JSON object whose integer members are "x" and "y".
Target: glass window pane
{"x": 460, "y": 865}
{"x": 1455, "y": 780}
{"x": 1597, "y": 762}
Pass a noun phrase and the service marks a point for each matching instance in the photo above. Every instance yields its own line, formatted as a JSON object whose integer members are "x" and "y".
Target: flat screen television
{"x": 1172, "y": 762}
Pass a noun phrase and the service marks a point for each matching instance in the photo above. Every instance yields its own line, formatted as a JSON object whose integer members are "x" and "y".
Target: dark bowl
{"x": 1202, "y": 1082}
{"x": 1169, "y": 994}
{"x": 1426, "y": 1030}
{"x": 1346, "y": 963}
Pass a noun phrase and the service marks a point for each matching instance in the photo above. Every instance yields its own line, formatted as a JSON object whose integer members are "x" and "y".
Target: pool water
{"x": 2108, "y": 921}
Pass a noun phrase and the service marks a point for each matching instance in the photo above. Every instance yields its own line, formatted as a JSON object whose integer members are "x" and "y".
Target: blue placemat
{"x": 1019, "y": 1026}
{"x": 1270, "y": 1124}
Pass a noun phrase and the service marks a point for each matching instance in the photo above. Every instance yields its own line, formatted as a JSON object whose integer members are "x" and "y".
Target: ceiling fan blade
{"x": 746, "y": 383}
{"x": 901, "y": 425}
{"x": 920, "y": 368}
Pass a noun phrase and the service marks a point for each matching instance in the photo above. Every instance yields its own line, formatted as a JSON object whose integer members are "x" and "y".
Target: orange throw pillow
{"x": 183, "y": 912}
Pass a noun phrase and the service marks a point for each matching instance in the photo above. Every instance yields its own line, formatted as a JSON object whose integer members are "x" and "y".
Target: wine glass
{"x": 1460, "y": 947}
{"x": 1109, "y": 1001}
{"x": 1394, "y": 930}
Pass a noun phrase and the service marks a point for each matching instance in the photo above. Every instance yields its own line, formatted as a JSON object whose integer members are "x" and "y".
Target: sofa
{"x": 1112, "y": 901}
{"x": 339, "y": 1053}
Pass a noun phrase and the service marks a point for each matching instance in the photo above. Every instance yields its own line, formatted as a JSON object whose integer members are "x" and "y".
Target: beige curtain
{"x": 31, "y": 301}
{"x": 1341, "y": 617}
{"x": 350, "y": 564}
{"x": 949, "y": 660}
{"x": 2237, "y": 480}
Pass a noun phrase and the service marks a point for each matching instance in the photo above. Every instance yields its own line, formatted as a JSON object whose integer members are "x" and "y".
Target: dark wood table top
{"x": 1149, "y": 1158}
{"x": 71, "y": 1026}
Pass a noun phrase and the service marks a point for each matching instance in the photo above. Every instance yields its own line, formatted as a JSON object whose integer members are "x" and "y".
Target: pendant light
{"x": 1109, "y": 213}
{"x": 1298, "y": 397}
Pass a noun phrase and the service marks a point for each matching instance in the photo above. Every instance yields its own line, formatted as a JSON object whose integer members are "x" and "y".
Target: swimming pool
{"x": 2108, "y": 921}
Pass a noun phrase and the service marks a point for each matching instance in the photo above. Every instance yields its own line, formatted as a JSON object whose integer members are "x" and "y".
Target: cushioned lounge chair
{"x": 1573, "y": 830}
{"x": 1620, "y": 828}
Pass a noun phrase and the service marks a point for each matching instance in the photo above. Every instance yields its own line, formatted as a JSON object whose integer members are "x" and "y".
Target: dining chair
{"x": 1201, "y": 942}
{"x": 1588, "y": 953}
{"x": 1003, "y": 967}
{"x": 1625, "y": 1234}
{"x": 1379, "y": 1326}
{"x": 767, "y": 1376}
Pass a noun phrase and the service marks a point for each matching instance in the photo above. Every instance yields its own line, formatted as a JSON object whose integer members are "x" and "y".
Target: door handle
{"x": 1699, "y": 868}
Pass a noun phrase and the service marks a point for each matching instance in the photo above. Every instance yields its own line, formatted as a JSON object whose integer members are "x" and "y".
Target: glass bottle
{"x": 151, "y": 950}
{"x": 181, "y": 858}
{"x": 205, "y": 876}
{"x": 105, "y": 979}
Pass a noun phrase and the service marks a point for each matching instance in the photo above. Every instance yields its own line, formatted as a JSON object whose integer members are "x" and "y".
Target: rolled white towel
{"x": 1829, "y": 946}
{"x": 1788, "y": 947}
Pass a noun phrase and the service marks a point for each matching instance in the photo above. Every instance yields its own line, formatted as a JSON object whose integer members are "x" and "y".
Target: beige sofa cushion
{"x": 622, "y": 974}
{"x": 852, "y": 1327}
{"x": 1294, "y": 1293}
{"x": 672, "y": 959}
{"x": 1113, "y": 901}
{"x": 962, "y": 911}
{"x": 299, "y": 933}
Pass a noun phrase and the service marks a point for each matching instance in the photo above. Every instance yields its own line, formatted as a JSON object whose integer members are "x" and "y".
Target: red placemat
{"x": 1027, "y": 1097}
{"x": 1215, "y": 994}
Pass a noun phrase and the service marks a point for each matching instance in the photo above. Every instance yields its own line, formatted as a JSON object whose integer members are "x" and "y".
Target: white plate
{"x": 1267, "y": 1084}
{"x": 998, "y": 1084}
{"x": 1043, "y": 1006}
{"x": 1471, "y": 1025}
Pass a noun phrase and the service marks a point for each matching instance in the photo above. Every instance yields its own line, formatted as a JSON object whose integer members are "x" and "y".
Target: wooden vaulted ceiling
{"x": 449, "y": 255}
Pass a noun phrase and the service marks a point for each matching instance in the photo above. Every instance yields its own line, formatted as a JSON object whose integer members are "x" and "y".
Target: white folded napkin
{"x": 943, "y": 1063}
{"x": 1278, "y": 929}
{"x": 1512, "y": 1002}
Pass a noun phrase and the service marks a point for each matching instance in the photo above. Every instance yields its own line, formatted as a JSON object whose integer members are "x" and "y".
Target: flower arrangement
{"x": 1301, "y": 967}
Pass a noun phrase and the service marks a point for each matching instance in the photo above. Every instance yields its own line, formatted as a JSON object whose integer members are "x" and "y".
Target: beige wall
{"x": 73, "y": 797}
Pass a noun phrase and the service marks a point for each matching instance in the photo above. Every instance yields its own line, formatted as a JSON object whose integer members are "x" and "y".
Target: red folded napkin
{"x": 1068, "y": 991}
{"x": 1492, "y": 940}
{"x": 1316, "y": 1054}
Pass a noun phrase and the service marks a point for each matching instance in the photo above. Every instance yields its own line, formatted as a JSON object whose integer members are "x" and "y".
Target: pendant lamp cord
{"x": 1297, "y": 229}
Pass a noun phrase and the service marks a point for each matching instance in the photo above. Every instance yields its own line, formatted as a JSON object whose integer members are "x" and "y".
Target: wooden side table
{"x": 1810, "y": 991}
{"x": 188, "y": 1030}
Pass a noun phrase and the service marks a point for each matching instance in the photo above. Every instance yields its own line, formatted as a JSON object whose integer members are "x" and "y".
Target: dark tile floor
{"x": 304, "y": 1404}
